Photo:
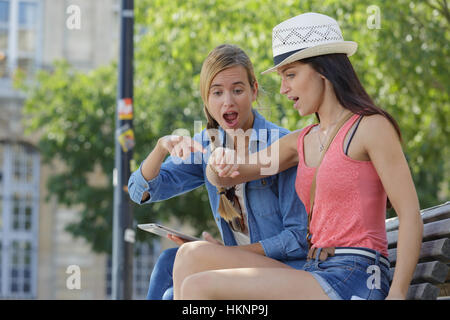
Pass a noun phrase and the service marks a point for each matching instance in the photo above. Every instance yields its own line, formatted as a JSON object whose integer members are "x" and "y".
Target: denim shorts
{"x": 352, "y": 276}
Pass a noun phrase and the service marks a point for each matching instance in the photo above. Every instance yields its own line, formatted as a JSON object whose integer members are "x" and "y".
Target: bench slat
{"x": 423, "y": 291}
{"x": 431, "y": 231}
{"x": 428, "y": 215}
{"x": 431, "y": 277}
{"x": 430, "y": 251}
{"x": 445, "y": 289}
{"x": 434, "y": 272}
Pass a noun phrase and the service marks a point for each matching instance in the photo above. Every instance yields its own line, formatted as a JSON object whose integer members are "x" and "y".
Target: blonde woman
{"x": 264, "y": 218}
{"x": 362, "y": 167}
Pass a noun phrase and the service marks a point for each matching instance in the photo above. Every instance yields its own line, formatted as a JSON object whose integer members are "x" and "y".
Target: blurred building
{"x": 35, "y": 250}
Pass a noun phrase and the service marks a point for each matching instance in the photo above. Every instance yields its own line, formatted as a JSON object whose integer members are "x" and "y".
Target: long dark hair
{"x": 349, "y": 91}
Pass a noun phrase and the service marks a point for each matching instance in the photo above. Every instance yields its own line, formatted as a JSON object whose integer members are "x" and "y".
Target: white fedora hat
{"x": 307, "y": 35}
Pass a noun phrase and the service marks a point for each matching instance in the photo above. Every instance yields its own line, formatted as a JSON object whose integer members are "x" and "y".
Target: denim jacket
{"x": 276, "y": 216}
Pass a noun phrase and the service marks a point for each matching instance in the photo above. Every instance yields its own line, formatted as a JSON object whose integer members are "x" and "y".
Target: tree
{"x": 402, "y": 64}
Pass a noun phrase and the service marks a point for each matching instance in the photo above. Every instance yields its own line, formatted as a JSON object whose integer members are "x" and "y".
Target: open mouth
{"x": 231, "y": 118}
{"x": 296, "y": 101}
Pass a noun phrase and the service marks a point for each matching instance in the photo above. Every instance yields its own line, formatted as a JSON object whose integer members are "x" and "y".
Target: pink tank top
{"x": 350, "y": 201}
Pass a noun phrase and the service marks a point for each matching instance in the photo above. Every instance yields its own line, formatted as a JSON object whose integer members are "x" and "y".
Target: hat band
{"x": 278, "y": 59}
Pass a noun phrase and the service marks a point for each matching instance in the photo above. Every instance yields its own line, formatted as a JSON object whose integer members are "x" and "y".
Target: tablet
{"x": 164, "y": 231}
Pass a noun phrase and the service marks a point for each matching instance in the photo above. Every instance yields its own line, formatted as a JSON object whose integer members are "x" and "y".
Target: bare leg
{"x": 198, "y": 256}
{"x": 252, "y": 284}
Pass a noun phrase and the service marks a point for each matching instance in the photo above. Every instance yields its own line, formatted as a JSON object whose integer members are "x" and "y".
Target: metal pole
{"x": 123, "y": 231}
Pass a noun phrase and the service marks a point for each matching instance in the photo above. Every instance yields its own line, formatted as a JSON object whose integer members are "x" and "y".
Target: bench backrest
{"x": 432, "y": 272}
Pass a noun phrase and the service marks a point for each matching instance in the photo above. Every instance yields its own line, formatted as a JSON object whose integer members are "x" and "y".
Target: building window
{"x": 22, "y": 212}
{"x": 20, "y": 269}
{"x": 19, "y": 33}
{"x": 23, "y": 164}
{"x": 143, "y": 262}
{"x": 27, "y": 36}
{"x": 19, "y": 203}
{"x": 4, "y": 34}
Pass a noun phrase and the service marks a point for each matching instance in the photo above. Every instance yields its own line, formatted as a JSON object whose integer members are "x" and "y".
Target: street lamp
{"x": 123, "y": 230}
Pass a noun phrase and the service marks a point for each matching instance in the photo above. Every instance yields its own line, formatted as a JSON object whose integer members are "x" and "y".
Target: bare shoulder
{"x": 376, "y": 121}
{"x": 378, "y": 133}
{"x": 378, "y": 127}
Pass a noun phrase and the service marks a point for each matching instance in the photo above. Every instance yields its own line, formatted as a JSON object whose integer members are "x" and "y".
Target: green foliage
{"x": 403, "y": 65}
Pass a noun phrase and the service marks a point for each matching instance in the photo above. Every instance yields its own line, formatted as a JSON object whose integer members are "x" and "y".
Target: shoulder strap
{"x": 352, "y": 135}
{"x": 313, "y": 184}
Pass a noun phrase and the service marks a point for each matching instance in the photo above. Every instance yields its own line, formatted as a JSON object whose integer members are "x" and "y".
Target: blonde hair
{"x": 220, "y": 58}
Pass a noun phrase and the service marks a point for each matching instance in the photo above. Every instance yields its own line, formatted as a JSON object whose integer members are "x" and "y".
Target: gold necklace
{"x": 321, "y": 146}
{"x": 320, "y": 141}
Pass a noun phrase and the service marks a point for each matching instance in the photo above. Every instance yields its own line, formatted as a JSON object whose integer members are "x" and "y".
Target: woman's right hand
{"x": 180, "y": 146}
{"x": 206, "y": 236}
{"x": 179, "y": 241}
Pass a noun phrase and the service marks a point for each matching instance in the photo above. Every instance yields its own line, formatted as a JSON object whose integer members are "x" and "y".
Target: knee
{"x": 189, "y": 253}
{"x": 198, "y": 286}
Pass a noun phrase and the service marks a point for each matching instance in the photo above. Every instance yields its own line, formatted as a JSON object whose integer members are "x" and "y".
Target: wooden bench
{"x": 431, "y": 278}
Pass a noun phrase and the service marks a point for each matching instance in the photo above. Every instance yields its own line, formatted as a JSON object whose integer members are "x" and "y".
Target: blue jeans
{"x": 161, "y": 282}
